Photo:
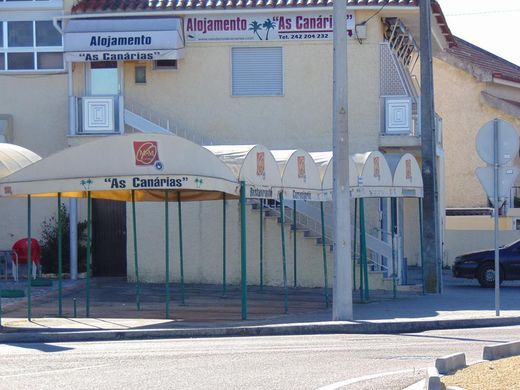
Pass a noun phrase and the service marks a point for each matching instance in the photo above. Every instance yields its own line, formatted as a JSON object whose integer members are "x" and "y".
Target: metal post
{"x": 363, "y": 247}
{"x": 136, "y": 255}
{"x": 181, "y": 251}
{"x": 495, "y": 204}
{"x": 428, "y": 150}
{"x": 261, "y": 244}
{"x": 167, "y": 253}
{"x": 294, "y": 243}
{"x": 421, "y": 240}
{"x": 60, "y": 257}
{"x": 89, "y": 248}
{"x": 223, "y": 244}
{"x": 324, "y": 254}
{"x": 393, "y": 218}
{"x": 243, "y": 251}
{"x": 73, "y": 223}
{"x": 73, "y": 203}
{"x": 342, "y": 286}
{"x": 354, "y": 249}
{"x": 29, "y": 259}
{"x": 284, "y": 262}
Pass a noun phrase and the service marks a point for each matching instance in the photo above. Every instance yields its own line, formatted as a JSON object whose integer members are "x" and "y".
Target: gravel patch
{"x": 502, "y": 374}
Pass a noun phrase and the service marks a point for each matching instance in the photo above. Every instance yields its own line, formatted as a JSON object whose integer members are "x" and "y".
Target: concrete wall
{"x": 38, "y": 105}
{"x": 197, "y": 96}
{"x": 202, "y": 244}
{"x": 454, "y": 87}
{"x": 466, "y": 234}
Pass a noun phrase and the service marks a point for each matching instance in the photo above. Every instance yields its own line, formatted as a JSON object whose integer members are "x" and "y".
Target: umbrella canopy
{"x": 253, "y": 164}
{"x": 14, "y": 158}
{"x": 300, "y": 175}
{"x": 112, "y": 167}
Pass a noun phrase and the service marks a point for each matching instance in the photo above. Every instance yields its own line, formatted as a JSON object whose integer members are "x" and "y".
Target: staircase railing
{"x": 165, "y": 122}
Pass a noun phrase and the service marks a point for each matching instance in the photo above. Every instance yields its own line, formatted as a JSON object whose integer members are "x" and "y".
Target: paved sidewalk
{"x": 207, "y": 313}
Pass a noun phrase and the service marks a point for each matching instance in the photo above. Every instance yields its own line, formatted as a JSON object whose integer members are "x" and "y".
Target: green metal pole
{"x": 136, "y": 255}
{"x": 393, "y": 212}
{"x": 363, "y": 245}
{"x": 243, "y": 251}
{"x": 223, "y": 244}
{"x": 284, "y": 261}
{"x": 167, "y": 253}
{"x": 89, "y": 247}
{"x": 421, "y": 233}
{"x": 294, "y": 241}
{"x": 60, "y": 258}
{"x": 29, "y": 259}
{"x": 181, "y": 250}
{"x": 261, "y": 244}
{"x": 355, "y": 244}
{"x": 324, "y": 254}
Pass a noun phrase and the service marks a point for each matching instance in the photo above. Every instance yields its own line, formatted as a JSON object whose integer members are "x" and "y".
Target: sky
{"x": 492, "y": 25}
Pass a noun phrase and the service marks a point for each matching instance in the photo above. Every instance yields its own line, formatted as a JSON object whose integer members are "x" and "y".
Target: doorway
{"x": 108, "y": 238}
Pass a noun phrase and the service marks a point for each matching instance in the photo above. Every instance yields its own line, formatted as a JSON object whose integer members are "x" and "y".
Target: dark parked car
{"x": 481, "y": 265}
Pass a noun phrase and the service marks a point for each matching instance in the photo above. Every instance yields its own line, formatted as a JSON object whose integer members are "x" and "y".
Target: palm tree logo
{"x": 268, "y": 25}
{"x": 255, "y": 26}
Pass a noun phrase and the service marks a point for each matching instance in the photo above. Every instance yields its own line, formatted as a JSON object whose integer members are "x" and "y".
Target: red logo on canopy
{"x": 146, "y": 152}
{"x": 260, "y": 163}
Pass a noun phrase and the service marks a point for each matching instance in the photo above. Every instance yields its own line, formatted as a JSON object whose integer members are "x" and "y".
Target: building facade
{"x": 215, "y": 72}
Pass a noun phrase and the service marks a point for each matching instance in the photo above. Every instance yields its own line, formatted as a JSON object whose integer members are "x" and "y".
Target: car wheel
{"x": 486, "y": 275}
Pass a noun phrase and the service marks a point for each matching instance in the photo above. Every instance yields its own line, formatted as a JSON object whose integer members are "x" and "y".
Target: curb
{"x": 499, "y": 351}
{"x": 25, "y": 336}
{"x": 451, "y": 363}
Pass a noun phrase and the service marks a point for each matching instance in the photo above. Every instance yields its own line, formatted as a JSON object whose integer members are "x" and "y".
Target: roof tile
{"x": 484, "y": 60}
{"x": 95, "y": 6}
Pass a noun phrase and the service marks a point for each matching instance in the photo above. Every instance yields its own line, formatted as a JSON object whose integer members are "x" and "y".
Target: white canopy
{"x": 324, "y": 162}
{"x": 14, "y": 158}
{"x": 111, "y": 167}
{"x": 375, "y": 177}
{"x": 407, "y": 176}
{"x": 300, "y": 175}
{"x": 253, "y": 164}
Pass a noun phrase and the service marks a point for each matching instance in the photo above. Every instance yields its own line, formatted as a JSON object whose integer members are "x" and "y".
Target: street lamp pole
{"x": 342, "y": 283}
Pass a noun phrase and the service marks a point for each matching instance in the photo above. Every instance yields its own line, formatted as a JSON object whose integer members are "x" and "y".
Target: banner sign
{"x": 139, "y": 55}
{"x": 264, "y": 27}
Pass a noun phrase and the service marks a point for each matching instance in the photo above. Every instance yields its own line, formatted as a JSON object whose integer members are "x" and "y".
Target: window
{"x": 257, "y": 71}
{"x": 165, "y": 64}
{"x": 29, "y": 45}
{"x": 140, "y": 74}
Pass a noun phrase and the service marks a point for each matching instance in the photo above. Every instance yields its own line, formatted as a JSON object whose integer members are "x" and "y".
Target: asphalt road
{"x": 292, "y": 362}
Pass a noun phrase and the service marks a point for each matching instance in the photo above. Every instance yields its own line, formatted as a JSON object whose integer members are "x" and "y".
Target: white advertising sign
{"x": 263, "y": 27}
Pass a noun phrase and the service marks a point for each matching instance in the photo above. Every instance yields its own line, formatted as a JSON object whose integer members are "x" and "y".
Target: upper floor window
{"x": 257, "y": 71}
{"x": 30, "y": 45}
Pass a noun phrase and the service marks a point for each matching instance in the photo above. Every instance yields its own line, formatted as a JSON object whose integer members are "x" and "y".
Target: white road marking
{"x": 347, "y": 382}
{"x": 33, "y": 373}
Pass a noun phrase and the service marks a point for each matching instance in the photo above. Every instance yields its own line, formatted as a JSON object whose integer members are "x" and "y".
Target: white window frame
{"x": 282, "y": 94}
{"x": 33, "y": 17}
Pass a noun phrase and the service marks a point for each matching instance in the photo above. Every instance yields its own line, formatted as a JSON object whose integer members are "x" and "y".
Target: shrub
{"x": 49, "y": 243}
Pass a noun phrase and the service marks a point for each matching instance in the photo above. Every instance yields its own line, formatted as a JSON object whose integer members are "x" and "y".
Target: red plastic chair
{"x": 20, "y": 254}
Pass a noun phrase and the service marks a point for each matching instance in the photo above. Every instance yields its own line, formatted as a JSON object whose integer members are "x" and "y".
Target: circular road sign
{"x": 508, "y": 142}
